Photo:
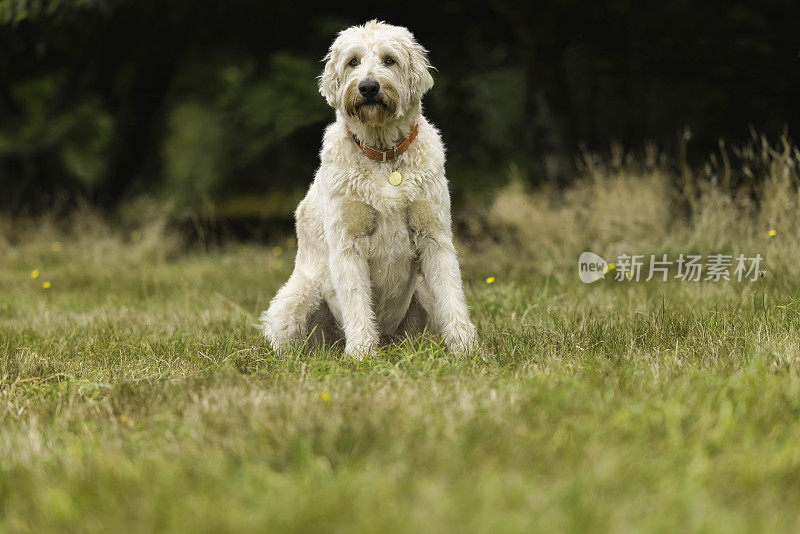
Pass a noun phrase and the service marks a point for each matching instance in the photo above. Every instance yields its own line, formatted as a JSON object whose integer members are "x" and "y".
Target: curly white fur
{"x": 374, "y": 259}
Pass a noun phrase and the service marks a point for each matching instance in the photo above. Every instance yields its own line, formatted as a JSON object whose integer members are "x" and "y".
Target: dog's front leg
{"x": 348, "y": 230}
{"x": 441, "y": 274}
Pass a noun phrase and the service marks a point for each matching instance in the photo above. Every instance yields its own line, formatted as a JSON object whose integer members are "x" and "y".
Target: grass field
{"x": 137, "y": 395}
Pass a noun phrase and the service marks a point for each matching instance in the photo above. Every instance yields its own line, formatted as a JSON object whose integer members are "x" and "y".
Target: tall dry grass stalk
{"x": 88, "y": 235}
{"x": 624, "y": 204}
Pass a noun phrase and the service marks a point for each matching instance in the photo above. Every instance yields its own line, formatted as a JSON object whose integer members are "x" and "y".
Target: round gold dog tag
{"x": 395, "y": 178}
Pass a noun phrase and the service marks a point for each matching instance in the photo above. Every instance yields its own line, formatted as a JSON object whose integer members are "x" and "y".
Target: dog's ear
{"x": 419, "y": 70}
{"x": 329, "y": 80}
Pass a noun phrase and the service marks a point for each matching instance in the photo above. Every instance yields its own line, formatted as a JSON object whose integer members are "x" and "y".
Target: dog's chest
{"x": 392, "y": 268}
{"x": 390, "y": 189}
{"x": 390, "y": 248}
{"x": 390, "y": 241}
{"x": 390, "y": 197}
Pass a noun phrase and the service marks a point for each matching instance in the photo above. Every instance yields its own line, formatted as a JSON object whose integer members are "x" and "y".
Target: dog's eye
{"x": 354, "y": 62}
{"x": 389, "y": 61}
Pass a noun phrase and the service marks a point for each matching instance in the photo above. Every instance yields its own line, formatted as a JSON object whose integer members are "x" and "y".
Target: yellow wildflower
{"x": 35, "y": 273}
{"x": 772, "y": 233}
{"x": 46, "y": 285}
{"x": 325, "y": 396}
{"x": 490, "y": 280}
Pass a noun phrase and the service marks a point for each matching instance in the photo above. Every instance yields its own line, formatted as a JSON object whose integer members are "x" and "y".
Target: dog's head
{"x": 375, "y": 72}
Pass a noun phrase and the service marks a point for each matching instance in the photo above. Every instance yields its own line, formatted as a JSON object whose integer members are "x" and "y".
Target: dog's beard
{"x": 372, "y": 111}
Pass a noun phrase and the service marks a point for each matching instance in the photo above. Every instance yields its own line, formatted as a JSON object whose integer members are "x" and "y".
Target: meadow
{"x": 137, "y": 394}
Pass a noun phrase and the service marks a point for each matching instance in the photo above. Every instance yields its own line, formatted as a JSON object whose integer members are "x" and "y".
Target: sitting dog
{"x": 375, "y": 256}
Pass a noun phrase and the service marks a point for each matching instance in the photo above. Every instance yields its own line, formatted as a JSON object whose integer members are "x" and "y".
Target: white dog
{"x": 375, "y": 253}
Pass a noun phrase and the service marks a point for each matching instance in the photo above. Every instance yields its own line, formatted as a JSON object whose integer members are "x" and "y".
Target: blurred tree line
{"x": 107, "y": 100}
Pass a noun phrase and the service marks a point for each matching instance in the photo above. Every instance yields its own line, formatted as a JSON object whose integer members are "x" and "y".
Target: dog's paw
{"x": 358, "y": 350}
{"x": 462, "y": 338}
{"x": 282, "y": 335}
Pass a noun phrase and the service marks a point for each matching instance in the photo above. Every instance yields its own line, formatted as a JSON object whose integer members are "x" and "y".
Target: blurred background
{"x": 212, "y": 107}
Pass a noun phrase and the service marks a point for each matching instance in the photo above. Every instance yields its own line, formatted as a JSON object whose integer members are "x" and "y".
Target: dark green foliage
{"x": 196, "y": 99}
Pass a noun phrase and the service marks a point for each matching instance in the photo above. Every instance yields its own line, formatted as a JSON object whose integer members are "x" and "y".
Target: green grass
{"x": 137, "y": 395}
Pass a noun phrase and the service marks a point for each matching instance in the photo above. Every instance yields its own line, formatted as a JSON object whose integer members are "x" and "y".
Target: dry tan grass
{"x": 624, "y": 205}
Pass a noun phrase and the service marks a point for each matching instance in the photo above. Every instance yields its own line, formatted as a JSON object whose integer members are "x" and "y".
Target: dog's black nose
{"x": 369, "y": 88}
